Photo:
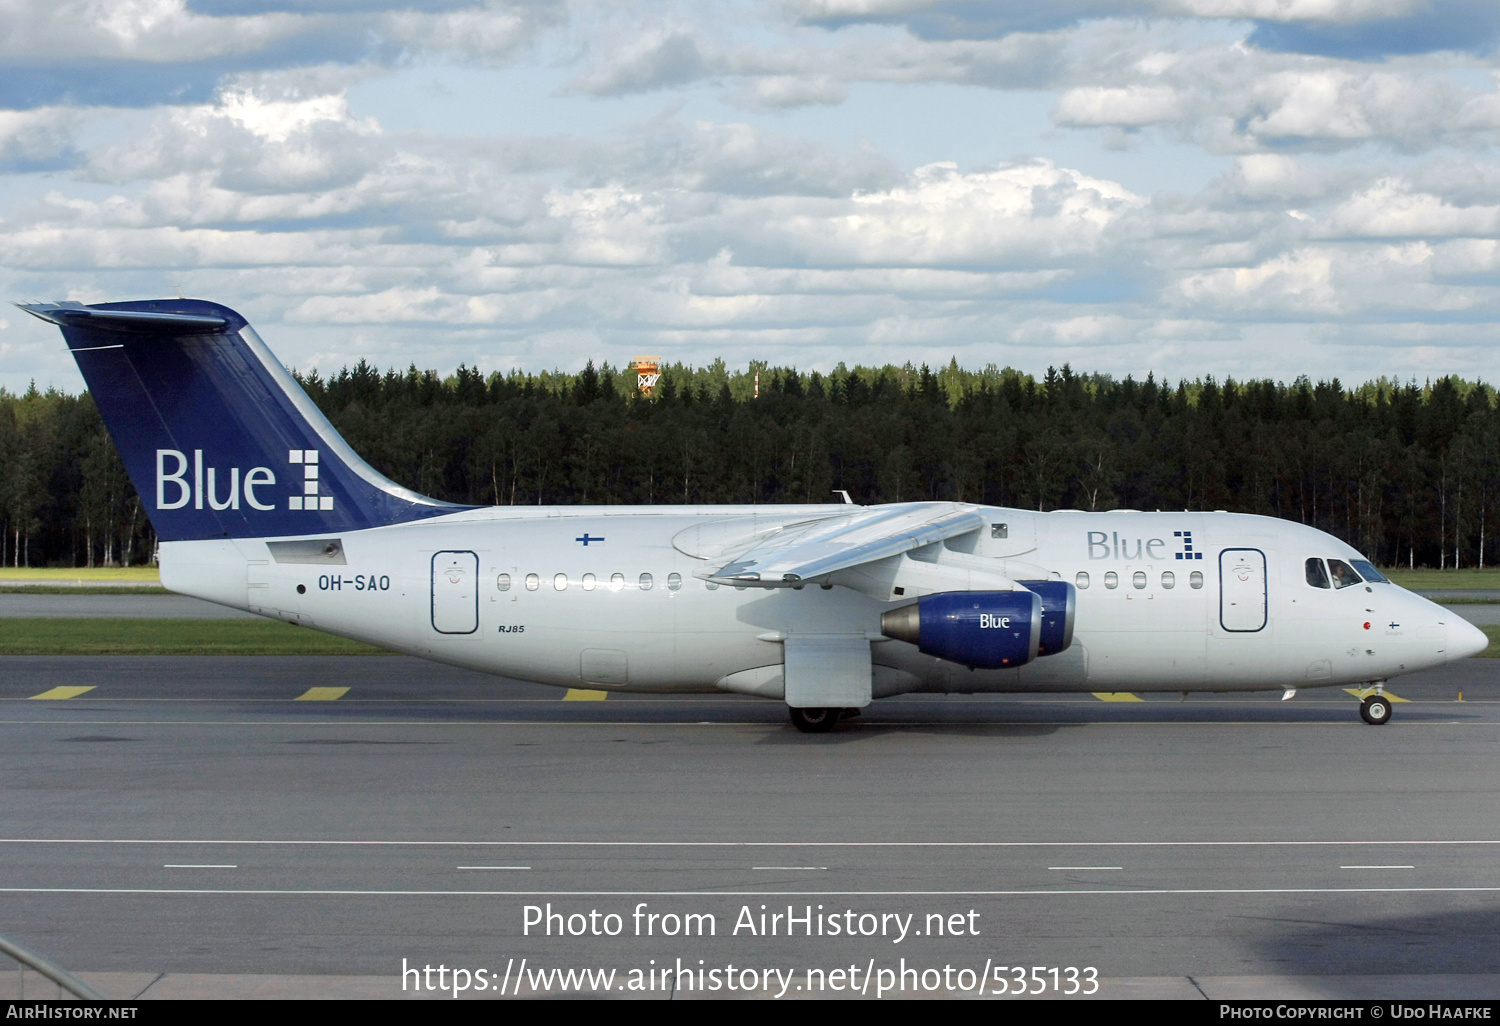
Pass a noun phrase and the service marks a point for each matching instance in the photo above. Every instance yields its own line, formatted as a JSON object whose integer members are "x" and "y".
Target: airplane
{"x": 259, "y": 504}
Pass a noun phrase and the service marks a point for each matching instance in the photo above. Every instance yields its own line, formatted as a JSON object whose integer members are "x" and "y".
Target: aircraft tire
{"x": 1375, "y": 710}
{"x": 815, "y": 720}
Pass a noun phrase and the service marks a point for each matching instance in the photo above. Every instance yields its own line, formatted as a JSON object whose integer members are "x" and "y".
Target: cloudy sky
{"x": 1239, "y": 187}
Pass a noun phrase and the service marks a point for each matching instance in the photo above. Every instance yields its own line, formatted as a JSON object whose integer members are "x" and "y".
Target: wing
{"x": 802, "y": 552}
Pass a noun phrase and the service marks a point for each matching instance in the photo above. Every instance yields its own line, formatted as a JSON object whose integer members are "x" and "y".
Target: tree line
{"x": 1409, "y": 473}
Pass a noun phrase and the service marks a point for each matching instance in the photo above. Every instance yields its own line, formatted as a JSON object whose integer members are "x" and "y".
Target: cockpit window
{"x": 1316, "y": 575}
{"x": 1343, "y": 574}
{"x": 1368, "y": 572}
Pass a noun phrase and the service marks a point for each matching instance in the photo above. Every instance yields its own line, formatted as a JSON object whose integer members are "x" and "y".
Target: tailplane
{"x": 218, "y": 438}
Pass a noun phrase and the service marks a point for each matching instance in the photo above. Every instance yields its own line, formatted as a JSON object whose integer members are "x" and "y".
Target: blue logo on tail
{"x": 212, "y": 426}
{"x": 309, "y": 499}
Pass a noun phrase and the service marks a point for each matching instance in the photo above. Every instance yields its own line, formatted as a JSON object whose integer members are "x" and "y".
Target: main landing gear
{"x": 1375, "y": 709}
{"x": 815, "y": 720}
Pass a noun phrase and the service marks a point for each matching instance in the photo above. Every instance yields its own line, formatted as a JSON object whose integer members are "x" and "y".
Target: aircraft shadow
{"x": 1327, "y": 941}
{"x": 856, "y": 731}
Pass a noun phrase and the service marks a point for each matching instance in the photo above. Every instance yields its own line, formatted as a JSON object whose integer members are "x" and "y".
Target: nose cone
{"x": 1464, "y": 639}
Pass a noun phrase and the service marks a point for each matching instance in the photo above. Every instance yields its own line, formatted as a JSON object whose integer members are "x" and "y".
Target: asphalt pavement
{"x": 234, "y": 825}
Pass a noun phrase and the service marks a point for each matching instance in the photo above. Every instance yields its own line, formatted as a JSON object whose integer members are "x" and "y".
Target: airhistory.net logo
{"x": 309, "y": 499}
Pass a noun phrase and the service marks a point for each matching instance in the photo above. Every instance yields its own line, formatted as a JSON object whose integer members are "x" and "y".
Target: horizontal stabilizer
{"x": 813, "y": 550}
{"x": 147, "y": 321}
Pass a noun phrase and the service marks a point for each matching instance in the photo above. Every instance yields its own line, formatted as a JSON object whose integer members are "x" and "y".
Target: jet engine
{"x": 1058, "y": 601}
{"x": 988, "y": 629}
{"x": 985, "y": 630}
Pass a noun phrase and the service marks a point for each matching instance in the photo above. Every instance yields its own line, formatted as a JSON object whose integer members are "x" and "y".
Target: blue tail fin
{"x": 217, "y": 436}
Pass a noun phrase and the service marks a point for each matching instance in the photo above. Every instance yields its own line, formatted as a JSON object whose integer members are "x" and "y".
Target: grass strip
{"x": 45, "y": 636}
{"x": 1491, "y": 631}
{"x": 82, "y": 589}
{"x": 143, "y": 574}
{"x": 1471, "y": 579}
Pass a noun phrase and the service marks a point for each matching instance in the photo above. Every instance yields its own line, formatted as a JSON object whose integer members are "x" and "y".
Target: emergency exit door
{"x": 1242, "y": 590}
{"x": 455, "y": 592}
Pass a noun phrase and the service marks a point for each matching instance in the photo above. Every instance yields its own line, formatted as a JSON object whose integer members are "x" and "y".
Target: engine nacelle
{"x": 1059, "y": 598}
{"x": 986, "y": 630}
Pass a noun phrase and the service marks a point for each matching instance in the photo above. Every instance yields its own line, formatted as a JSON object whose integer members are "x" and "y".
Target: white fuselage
{"x": 455, "y": 589}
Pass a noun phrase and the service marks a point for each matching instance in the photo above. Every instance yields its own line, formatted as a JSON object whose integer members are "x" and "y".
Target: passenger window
{"x": 1168, "y": 580}
{"x": 589, "y": 582}
{"x": 616, "y": 582}
{"x": 503, "y": 582}
{"x": 1111, "y": 580}
{"x": 533, "y": 582}
{"x": 1138, "y": 579}
{"x": 1343, "y": 574}
{"x": 1195, "y": 579}
{"x": 646, "y": 582}
{"x": 674, "y": 582}
{"x": 1316, "y": 575}
{"x": 1081, "y": 582}
{"x": 560, "y": 582}
{"x": 1368, "y": 572}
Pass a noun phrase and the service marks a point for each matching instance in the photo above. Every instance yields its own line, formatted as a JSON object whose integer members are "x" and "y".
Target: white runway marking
{"x": 196, "y": 866}
{"x": 960, "y": 893}
{"x": 1406, "y": 724}
{"x": 774, "y": 868}
{"x": 1085, "y": 867}
{"x": 746, "y": 844}
{"x": 1377, "y": 867}
{"x": 491, "y": 867}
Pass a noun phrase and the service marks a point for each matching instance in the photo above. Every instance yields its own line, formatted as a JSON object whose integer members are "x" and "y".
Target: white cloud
{"x": 700, "y": 190}
{"x": 1086, "y": 330}
{"x": 1390, "y": 208}
{"x": 1302, "y": 280}
{"x": 488, "y": 32}
{"x": 659, "y": 57}
{"x": 777, "y": 92}
{"x": 1275, "y": 176}
{"x": 1127, "y": 105}
{"x": 1295, "y": 10}
{"x": 1338, "y": 283}
{"x": 1025, "y": 212}
{"x": 31, "y": 136}
{"x": 982, "y": 16}
{"x": 142, "y": 30}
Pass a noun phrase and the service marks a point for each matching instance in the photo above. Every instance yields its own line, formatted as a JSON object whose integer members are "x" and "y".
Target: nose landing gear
{"x": 1375, "y": 709}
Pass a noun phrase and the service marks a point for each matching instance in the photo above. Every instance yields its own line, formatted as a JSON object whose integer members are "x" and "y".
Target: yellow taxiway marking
{"x": 68, "y": 692}
{"x": 1117, "y": 696}
{"x": 321, "y": 695}
{"x": 1360, "y": 693}
{"x": 585, "y": 695}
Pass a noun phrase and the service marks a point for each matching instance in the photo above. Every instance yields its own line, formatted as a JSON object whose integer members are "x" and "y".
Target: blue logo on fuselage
{"x": 1187, "y": 545}
{"x": 1110, "y": 545}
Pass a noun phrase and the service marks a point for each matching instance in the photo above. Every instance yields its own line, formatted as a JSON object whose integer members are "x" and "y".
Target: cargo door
{"x": 1242, "y": 590}
{"x": 603, "y": 666}
{"x": 455, "y": 592}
